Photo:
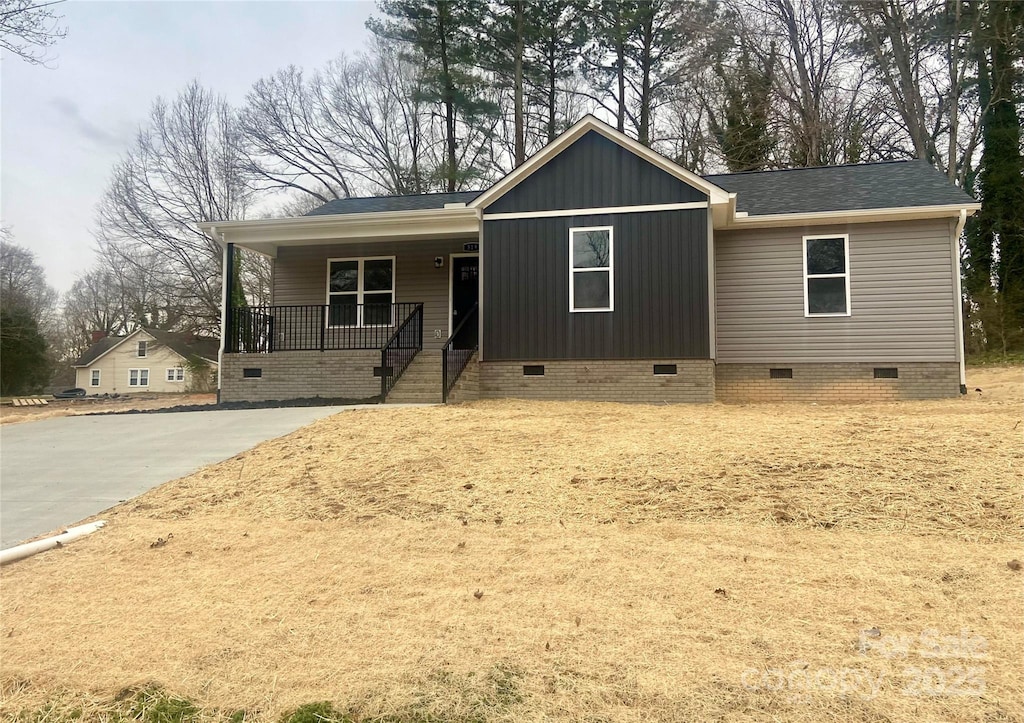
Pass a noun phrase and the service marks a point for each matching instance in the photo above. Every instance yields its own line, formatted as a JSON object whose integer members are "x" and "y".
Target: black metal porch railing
{"x": 266, "y": 329}
{"x": 457, "y": 351}
{"x": 400, "y": 350}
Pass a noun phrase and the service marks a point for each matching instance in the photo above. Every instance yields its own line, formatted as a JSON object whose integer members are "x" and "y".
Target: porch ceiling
{"x": 267, "y": 236}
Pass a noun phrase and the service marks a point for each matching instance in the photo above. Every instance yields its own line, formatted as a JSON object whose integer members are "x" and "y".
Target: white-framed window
{"x": 591, "y": 272}
{"x": 94, "y": 378}
{"x": 827, "y": 275}
{"x": 138, "y": 377}
{"x": 175, "y": 374}
{"x": 140, "y": 349}
{"x": 360, "y": 292}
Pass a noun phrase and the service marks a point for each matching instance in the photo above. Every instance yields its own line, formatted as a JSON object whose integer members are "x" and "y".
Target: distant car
{"x": 70, "y": 393}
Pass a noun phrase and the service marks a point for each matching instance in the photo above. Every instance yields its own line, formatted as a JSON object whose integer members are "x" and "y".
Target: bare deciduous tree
{"x": 29, "y": 28}
{"x": 183, "y": 169}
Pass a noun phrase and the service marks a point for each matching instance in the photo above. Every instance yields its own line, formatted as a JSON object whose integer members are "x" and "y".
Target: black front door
{"x": 465, "y": 295}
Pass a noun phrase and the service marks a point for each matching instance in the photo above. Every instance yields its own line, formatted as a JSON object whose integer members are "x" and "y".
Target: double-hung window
{"x": 360, "y": 292}
{"x": 175, "y": 374}
{"x": 591, "y": 274}
{"x": 138, "y": 377}
{"x": 827, "y": 275}
{"x": 141, "y": 349}
{"x": 94, "y": 380}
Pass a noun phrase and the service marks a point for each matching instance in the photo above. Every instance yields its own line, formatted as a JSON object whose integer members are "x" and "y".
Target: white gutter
{"x": 20, "y": 552}
{"x": 958, "y": 282}
{"x": 896, "y": 213}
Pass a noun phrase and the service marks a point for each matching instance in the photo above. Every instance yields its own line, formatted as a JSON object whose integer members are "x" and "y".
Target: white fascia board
{"x": 901, "y": 213}
{"x": 266, "y": 236}
{"x": 716, "y": 195}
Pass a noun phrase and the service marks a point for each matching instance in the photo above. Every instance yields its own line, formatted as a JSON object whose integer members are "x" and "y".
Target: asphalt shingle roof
{"x": 840, "y": 188}
{"x": 184, "y": 344}
{"x": 97, "y": 350}
{"x": 889, "y": 184}
{"x": 393, "y": 203}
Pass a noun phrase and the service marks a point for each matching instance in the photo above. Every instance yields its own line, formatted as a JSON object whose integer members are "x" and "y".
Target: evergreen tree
{"x": 995, "y": 242}
{"x": 439, "y": 35}
{"x": 742, "y": 131}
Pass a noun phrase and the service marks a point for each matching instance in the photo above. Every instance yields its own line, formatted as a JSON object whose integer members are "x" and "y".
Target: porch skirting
{"x": 650, "y": 381}
{"x": 286, "y": 375}
{"x": 836, "y": 382}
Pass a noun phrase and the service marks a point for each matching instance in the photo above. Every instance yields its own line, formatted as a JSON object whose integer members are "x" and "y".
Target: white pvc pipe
{"x": 20, "y": 552}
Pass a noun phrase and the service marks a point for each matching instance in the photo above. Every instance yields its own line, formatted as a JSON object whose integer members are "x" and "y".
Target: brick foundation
{"x": 467, "y": 388}
{"x": 849, "y": 382}
{"x": 618, "y": 380}
{"x": 300, "y": 375}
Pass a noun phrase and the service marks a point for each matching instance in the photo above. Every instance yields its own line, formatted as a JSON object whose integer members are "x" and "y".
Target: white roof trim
{"x": 716, "y": 195}
{"x": 266, "y": 235}
{"x": 864, "y": 215}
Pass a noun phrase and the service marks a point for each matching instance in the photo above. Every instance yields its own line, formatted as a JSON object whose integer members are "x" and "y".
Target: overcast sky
{"x": 62, "y": 128}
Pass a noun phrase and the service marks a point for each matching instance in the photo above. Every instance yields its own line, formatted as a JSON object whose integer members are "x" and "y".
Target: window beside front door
{"x": 360, "y": 292}
{"x": 826, "y": 275}
{"x": 591, "y": 275}
{"x": 138, "y": 377}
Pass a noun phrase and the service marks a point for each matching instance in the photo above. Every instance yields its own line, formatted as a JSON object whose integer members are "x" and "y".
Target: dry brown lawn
{"x": 762, "y": 562}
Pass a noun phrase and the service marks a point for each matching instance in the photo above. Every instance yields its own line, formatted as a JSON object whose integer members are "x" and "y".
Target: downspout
{"x": 955, "y": 250}
{"x": 20, "y": 552}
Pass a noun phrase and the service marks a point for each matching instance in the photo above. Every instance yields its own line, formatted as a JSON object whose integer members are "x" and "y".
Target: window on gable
{"x": 141, "y": 349}
{"x": 591, "y": 275}
{"x": 826, "y": 276}
{"x": 138, "y": 377}
{"x": 360, "y": 292}
{"x": 94, "y": 380}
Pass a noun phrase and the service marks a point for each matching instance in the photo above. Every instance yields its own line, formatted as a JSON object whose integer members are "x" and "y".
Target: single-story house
{"x": 147, "y": 360}
{"x": 600, "y": 269}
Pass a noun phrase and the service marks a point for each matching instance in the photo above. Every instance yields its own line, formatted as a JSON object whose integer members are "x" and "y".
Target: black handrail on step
{"x": 457, "y": 351}
{"x": 400, "y": 350}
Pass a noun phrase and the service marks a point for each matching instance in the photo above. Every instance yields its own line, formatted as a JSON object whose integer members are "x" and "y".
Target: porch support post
{"x": 229, "y": 294}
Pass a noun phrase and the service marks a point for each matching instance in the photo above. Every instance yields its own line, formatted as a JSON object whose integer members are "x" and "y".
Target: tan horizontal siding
{"x": 300, "y": 276}
{"x": 901, "y": 294}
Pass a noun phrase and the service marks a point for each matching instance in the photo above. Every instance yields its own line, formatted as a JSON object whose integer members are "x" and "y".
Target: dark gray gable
{"x": 595, "y": 172}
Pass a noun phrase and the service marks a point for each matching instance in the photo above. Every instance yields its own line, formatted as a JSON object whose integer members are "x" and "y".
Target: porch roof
{"x": 265, "y": 236}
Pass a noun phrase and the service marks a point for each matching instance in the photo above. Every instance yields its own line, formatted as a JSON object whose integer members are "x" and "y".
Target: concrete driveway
{"x": 55, "y": 472}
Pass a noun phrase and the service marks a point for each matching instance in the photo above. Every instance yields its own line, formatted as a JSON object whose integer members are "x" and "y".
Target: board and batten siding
{"x": 595, "y": 172}
{"x": 902, "y": 296}
{"x": 300, "y": 276}
{"x": 660, "y": 289}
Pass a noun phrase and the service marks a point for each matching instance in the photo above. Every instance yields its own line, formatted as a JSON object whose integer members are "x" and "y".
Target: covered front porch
{"x": 351, "y": 312}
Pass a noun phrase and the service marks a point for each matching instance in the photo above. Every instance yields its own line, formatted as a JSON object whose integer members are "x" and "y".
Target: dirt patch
{"x": 93, "y": 405}
{"x": 511, "y": 560}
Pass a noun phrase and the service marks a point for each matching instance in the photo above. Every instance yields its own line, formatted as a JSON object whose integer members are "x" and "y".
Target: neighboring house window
{"x": 138, "y": 377}
{"x": 176, "y": 374}
{"x": 360, "y": 292}
{"x": 94, "y": 380}
{"x": 142, "y": 349}
{"x": 591, "y": 277}
{"x": 826, "y": 275}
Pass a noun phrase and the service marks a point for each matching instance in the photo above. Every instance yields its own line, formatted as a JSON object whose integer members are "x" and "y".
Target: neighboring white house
{"x": 147, "y": 360}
